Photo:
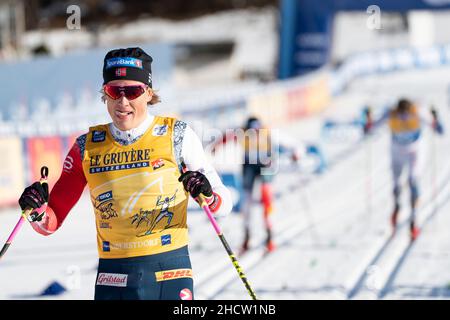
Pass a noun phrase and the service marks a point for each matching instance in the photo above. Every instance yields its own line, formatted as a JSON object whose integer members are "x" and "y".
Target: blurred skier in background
{"x": 257, "y": 143}
{"x": 406, "y": 123}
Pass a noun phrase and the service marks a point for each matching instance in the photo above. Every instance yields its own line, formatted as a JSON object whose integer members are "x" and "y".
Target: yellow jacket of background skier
{"x": 410, "y": 123}
{"x": 140, "y": 206}
{"x": 257, "y": 140}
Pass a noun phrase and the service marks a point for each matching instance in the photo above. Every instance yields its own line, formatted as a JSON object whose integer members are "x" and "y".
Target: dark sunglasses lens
{"x": 132, "y": 92}
{"x": 113, "y": 92}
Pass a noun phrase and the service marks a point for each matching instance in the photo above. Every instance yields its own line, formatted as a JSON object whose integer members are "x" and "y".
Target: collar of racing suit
{"x": 129, "y": 136}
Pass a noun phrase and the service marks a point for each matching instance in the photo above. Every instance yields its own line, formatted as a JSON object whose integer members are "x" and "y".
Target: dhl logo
{"x": 173, "y": 274}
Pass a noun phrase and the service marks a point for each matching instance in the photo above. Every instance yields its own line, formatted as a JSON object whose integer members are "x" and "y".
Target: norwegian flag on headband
{"x": 121, "y": 72}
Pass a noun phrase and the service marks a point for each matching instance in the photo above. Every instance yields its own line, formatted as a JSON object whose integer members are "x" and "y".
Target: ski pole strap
{"x": 33, "y": 215}
{"x": 44, "y": 174}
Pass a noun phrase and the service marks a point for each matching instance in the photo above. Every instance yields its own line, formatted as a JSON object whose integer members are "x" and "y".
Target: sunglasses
{"x": 129, "y": 92}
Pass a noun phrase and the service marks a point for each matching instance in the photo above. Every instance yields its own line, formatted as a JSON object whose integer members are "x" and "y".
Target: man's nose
{"x": 122, "y": 100}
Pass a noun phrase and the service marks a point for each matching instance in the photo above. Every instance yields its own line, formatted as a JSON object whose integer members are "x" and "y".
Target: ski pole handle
{"x": 24, "y": 215}
{"x": 42, "y": 180}
{"x": 201, "y": 200}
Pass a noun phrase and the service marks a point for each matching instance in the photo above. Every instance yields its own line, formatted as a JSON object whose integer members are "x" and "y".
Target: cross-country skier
{"x": 130, "y": 164}
{"x": 259, "y": 149}
{"x": 406, "y": 123}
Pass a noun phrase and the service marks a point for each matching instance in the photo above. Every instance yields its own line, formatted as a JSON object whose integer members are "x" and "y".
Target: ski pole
{"x": 368, "y": 171}
{"x": 25, "y": 213}
{"x": 201, "y": 200}
{"x": 433, "y": 164}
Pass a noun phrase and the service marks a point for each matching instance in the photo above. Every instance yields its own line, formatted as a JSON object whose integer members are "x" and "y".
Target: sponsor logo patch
{"x": 112, "y": 279}
{"x": 122, "y": 160}
{"x": 105, "y": 207}
{"x": 166, "y": 239}
{"x": 173, "y": 274}
{"x": 105, "y": 196}
{"x": 106, "y": 247}
{"x": 159, "y": 130}
{"x": 132, "y": 245}
{"x": 157, "y": 164}
{"x": 124, "y": 62}
{"x": 98, "y": 136}
{"x": 121, "y": 72}
{"x": 68, "y": 164}
{"x": 126, "y": 166}
{"x": 185, "y": 294}
{"x": 105, "y": 225}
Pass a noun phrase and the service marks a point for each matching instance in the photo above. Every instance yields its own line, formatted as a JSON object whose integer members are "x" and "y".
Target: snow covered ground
{"x": 335, "y": 244}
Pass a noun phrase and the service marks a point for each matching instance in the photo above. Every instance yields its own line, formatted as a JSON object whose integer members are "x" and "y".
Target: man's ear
{"x": 149, "y": 94}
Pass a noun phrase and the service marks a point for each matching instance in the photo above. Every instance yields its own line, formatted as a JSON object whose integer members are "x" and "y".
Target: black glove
{"x": 34, "y": 196}
{"x": 195, "y": 183}
{"x": 436, "y": 124}
{"x": 434, "y": 113}
{"x": 367, "y": 120}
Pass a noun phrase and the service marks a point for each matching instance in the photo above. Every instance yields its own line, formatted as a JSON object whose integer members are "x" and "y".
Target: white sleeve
{"x": 195, "y": 159}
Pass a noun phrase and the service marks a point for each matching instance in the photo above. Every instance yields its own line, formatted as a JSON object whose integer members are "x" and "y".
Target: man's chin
{"x": 124, "y": 124}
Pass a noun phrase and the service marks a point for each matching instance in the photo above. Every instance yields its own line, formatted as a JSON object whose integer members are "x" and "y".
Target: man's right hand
{"x": 436, "y": 124}
{"x": 34, "y": 196}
